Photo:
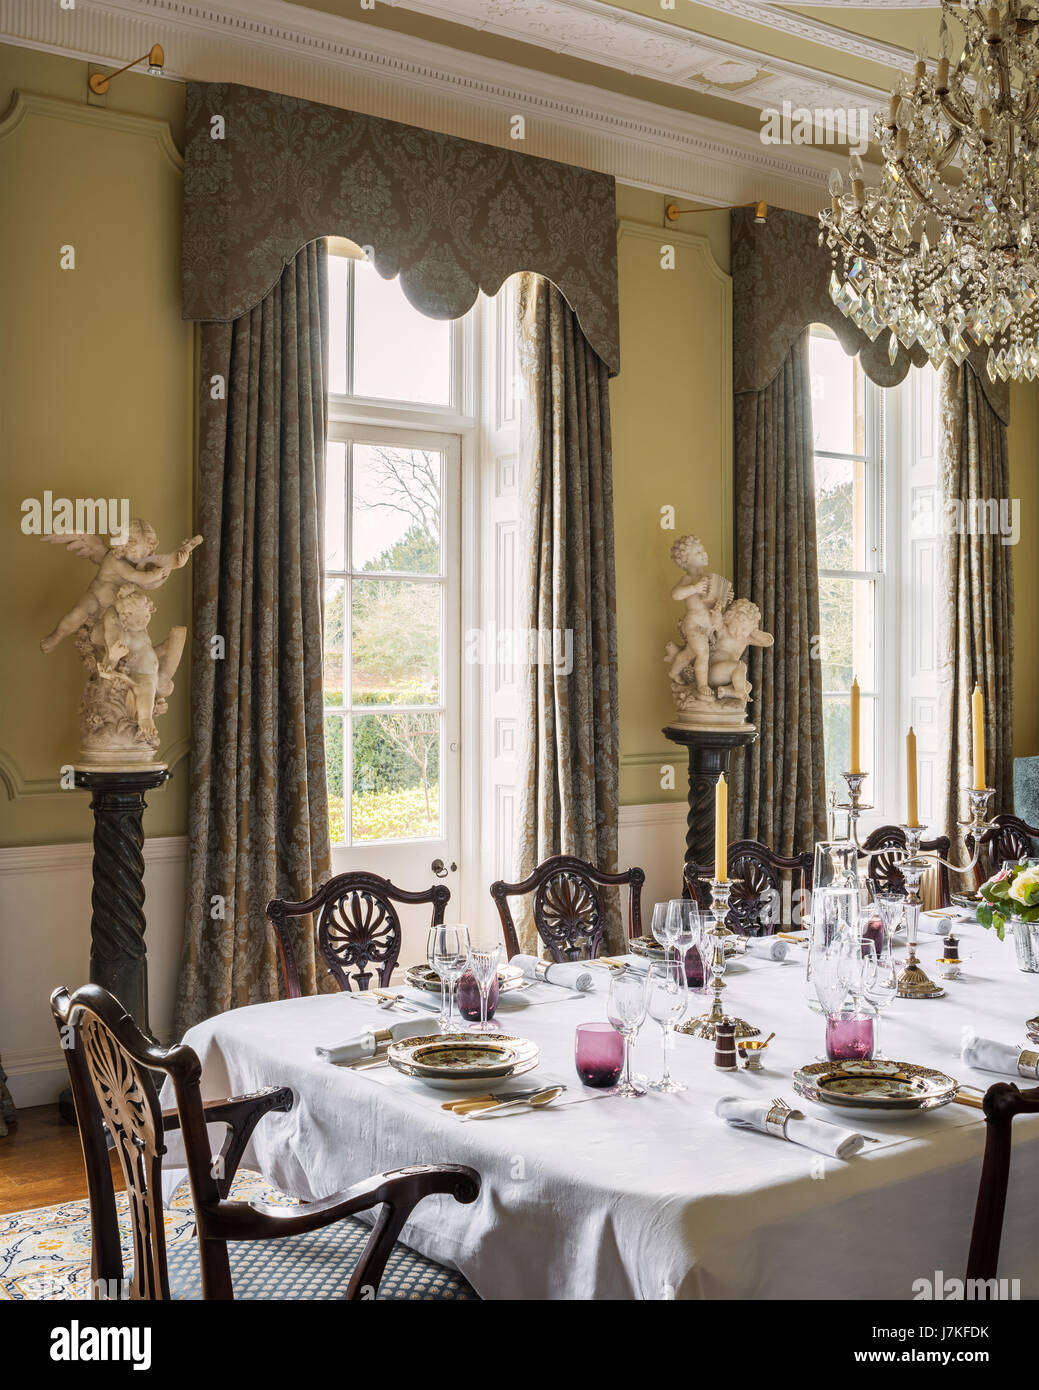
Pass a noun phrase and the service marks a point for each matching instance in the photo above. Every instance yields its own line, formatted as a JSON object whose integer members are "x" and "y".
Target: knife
{"x": 491, "y": 1098}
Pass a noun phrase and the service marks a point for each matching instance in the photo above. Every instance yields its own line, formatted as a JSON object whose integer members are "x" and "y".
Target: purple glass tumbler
{"x": 599, "y": 1054}
{"x": 469, "y": 996}
{"x": 849, "y": 1037}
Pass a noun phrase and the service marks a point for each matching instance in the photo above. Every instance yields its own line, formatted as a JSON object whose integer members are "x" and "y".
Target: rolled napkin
{"x": 810, "y": 1134}
{"x": 566, "y": 974}
{"x": 767, "y": 947}
{"x": 986, "y": 1055}
{"x": 366, "y": 1043}
{"x": 938, "y": 922}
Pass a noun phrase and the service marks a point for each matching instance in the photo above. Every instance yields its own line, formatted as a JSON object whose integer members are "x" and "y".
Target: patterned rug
{"x": 45, "y": 1254}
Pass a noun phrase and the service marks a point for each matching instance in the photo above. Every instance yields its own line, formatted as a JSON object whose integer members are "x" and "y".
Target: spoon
{"x": 535, "y": 1102}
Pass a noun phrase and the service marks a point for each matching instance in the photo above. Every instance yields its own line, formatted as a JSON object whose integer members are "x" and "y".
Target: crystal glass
{"x": 849, "y": 1036}
{"x": 626, "y": 1010}
{"x": 447, "y": 952}
{"x": 598, "y": 1054}
{"x": 666, "y": 1001}
{"x": 483, "y": 963}
{"x": 891, "y": 907}
{"x": 856, "y": 966}
{"x": 834, "y": 911}
{"x": 683, "y": 923}
{"x": 661, "y": 926}
{"x": 836, "y": 865}
{"x": 884, "y": 987}
{"x": 827, "y": 986}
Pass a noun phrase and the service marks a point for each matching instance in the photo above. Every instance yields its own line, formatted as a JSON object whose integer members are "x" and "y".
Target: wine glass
{"x": 483, "y": 962}
{"x": 856, "y": 966}
{"x": 666, "y": 1001}
{"x": 884, "y": 987}
{"x": 683, "y": 924}
{"x": 891, "y": 907}
{"x": 661, "y": 927}
{"x": 626, "y": 1010}
{"x": 447, "y": 951}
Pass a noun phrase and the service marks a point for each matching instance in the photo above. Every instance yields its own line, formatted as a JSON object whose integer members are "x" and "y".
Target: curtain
{"x": 258, "y": 815}
{"x": 779, "y": 791}
{"x": 976, "y": 594}
{"x": 569, "y": 800}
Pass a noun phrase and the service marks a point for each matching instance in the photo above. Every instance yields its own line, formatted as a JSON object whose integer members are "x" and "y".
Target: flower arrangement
{"x": 1012, "y": 893}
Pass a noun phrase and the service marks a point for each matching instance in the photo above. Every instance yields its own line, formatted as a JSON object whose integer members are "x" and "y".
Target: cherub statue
{"x": 128, "y": 679}
{"x": 739, "y": 630}
{"x": 705, "y": 597}
{"x": 133, "y": 562}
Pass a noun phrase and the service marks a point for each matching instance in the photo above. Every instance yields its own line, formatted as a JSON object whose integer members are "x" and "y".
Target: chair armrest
{"x": 241, "y": 1114}
{"x": 397, "y": 1193}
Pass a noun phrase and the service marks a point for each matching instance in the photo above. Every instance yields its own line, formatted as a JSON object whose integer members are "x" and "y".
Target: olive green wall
{"x": 96, "y": 399}
{"x": 1023, "y": 447}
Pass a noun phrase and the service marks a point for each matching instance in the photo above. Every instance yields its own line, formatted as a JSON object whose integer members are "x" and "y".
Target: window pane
{"x": 396, "y": 784}
{"x": 838, "y": 414}
{"x": 399, "y": 354}
{"x": 338, "y": 323}
{"x": 396, "y": 509}
{"x": 837, "y": 741}
{"x": 840, "y": 514}
{"x": 335, "y": 600}
{"x": 335, "y": 506}
{"x": 846, "y": 620}
{"x": 334, "y": 773}
{"x": 396, "y": 642}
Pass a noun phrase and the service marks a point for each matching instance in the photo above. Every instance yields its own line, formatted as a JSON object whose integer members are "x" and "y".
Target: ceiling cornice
{"x": 269, "y": 44}
{"x": 799, "y": 26}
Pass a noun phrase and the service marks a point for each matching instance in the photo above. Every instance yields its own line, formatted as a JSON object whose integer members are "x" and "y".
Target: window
{"x": 876, "y": 489}
{"x": 391, "y": 597}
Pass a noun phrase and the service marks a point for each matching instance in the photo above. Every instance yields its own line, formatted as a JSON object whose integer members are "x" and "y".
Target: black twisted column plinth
{"x": 709, "y": 752}
{"x": 118, "y": 954}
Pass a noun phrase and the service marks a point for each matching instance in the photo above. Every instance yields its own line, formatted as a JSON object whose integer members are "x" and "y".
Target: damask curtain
{"x": 976, "y": 592}
{"x": 258, "y": 816}
{"x": 779, "y": 791}
{"x": 569, "y": 801}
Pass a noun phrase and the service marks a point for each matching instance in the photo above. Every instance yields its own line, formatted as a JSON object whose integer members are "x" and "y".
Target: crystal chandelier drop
{"x": 941, "y": 252}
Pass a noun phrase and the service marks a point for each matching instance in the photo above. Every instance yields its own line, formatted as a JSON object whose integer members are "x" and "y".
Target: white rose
{"x": 1025, "y": 885}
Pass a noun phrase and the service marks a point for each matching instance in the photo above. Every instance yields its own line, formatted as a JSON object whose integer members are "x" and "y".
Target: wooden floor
{"x": 41, "y": 1162}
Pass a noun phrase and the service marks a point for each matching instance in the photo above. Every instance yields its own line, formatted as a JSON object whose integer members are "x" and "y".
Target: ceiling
{"x": 728, "y": 60}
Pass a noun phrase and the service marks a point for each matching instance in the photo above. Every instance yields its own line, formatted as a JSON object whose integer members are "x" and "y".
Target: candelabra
{"x": 704, "y": 1026}
{"x": 913, "y": 862}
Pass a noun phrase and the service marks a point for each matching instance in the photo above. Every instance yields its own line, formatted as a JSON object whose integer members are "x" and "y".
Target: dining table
{"x": 655, "y": 1197}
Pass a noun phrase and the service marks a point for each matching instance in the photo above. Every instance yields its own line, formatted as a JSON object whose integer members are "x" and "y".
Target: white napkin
{"x": 767, "y": 947}
{"x": 363, "y": 1044}
{"x": 811, "y": 1134}
{"x": 986, "y": 1055}
{"x": 568, "y": 974}
{"x": 938, "y": 922}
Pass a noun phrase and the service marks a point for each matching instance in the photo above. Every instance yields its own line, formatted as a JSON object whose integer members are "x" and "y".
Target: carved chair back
{"x": 1009, "y": 837}
{"x": 1002, "y": 1102}
{"x": 882, "y": 870}
{"x": 756, "y": 875}
{"x": 358, "y": 928}
{"x": 110, "y": 1064}
{"x": 568, "y": 908}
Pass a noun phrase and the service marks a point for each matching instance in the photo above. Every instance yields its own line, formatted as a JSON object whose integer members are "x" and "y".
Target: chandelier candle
{"x": 977, "y": 703}
{"x": 721, "y": 829}
{"x": 941, "y": 252}
{"x": 912, "y": 816}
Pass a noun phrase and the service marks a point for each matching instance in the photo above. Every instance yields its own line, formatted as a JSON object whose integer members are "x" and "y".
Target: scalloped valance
{"x": 450, "y": 216}
{"x": 780, "y": 285}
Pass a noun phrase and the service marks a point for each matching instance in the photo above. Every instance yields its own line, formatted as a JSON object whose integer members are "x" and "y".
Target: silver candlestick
{"x": 704, "y": 1026}
{"x": 978, "y": 800}
{"x": 913, "y": 981}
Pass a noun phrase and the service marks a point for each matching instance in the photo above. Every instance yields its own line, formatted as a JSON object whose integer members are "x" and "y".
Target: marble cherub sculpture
{"x": 708, "y": 674}
{"x": 129, "y": 679}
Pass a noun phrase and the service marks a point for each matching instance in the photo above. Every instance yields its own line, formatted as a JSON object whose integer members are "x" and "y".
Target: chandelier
{"x": 944, "y": 250}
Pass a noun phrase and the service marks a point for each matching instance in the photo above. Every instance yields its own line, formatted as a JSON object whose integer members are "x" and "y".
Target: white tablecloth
{"x": 657, "y": 1198}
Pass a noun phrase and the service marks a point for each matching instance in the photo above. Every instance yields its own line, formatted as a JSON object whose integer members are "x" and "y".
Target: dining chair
{"x": 1008, "y": 837}
{"x": 756, "y": 875}
{"x": 358, "y": 928}
{"x": 568, "y": 909}
{"x": 1001, "y": 1103}
{"x": 111, "y": 1065}
{"x": 882, "y": 870}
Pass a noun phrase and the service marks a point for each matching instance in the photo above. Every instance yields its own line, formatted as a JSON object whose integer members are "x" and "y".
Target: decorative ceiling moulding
{"x": 419, "y": 83}
{"x": 812, "y": 30}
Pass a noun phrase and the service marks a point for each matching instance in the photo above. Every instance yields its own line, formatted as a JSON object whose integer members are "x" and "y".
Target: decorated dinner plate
{"x": 459, "y": 1059}
{"x": 510, "y": 977}
{"x": 874, "y": 1087}
{"x": 650, "y": 949}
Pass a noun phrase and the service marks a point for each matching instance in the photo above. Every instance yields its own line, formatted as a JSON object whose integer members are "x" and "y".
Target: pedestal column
{"x": 118, "y": 955}
{"x": 709, "y": 752}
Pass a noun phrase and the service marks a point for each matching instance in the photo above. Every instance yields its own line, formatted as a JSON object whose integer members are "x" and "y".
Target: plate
{"x": 462, "y": 1058}
{"x": 650, "y": 949}
{"x": 968, "y": 900}
{"x": 425, "y": 977}
{"x": 870, "y": 1087}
